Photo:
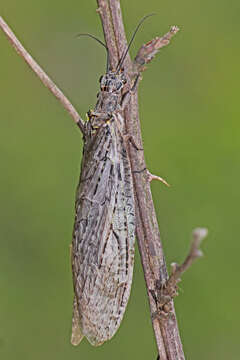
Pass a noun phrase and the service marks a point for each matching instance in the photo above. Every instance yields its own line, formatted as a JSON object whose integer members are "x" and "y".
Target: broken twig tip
{"x": 200, "y": 233}
{"x": 174, "y": 29}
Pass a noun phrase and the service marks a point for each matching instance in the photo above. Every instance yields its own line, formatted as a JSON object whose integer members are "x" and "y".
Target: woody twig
{"x": 166, "y": 332}
{"x": 45, "y": 79}
{"x": 167, "y": 291}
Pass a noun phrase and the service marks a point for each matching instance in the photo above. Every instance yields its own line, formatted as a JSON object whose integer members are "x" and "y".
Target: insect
{"x": 104, "y": 230}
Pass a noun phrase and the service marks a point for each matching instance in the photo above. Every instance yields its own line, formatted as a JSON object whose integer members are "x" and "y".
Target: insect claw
{"x": 155, "y": 177}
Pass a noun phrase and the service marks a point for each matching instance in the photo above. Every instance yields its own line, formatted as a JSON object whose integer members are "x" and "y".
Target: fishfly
{"x": 104, "y": 229}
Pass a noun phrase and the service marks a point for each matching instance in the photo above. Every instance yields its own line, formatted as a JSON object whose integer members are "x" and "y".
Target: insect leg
{"x": 135, "y": 82}
{"x": 130, "y": 138}
{"x": 125, "y": 137}
{"x": 139, "y": 172}
{"x": 126, "y": 97}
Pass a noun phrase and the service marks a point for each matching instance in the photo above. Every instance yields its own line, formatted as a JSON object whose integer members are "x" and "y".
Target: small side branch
{"x": 166, "y": 292}
{"x": 152, "y": 177}
{"x": 177, "y": 270}
{"x": 41, "y": 74}
{"x": 147, "y": 51}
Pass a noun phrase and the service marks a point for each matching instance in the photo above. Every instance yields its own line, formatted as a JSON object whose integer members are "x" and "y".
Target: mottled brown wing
{"x": 103, "y": 237}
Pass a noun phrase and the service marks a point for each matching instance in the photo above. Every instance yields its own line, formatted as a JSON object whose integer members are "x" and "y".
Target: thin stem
{"x": 194, "y": 253}
{"x": 150, "y": 247}
{"x": 41, "y": 74}
{"x": 147, "y": 51}
{"x": 165, "y": 292}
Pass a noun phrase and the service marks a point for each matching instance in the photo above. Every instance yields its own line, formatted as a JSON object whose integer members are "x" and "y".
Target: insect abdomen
{"x": 103, "y": 239}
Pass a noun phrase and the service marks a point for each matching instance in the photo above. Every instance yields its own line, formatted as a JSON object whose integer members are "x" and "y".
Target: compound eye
{"x": 100, "y": 79}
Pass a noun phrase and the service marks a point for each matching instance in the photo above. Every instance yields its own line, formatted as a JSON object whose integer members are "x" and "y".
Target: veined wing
{"x": 103, "y": 237}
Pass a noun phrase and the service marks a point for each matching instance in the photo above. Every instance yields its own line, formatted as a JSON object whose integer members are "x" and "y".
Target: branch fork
{"x": 165, "y": 292}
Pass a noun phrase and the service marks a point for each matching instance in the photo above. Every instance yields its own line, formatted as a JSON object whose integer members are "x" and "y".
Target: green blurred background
{"x": 189, "y": 106}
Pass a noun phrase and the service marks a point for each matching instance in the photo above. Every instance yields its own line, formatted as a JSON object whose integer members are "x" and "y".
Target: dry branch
{"x": 166, "y": 292}
{"x": 166, "y": 330}
{"x": 177, "y": 270}
{"x": 147, "y": 51}
{"x": 41, "y": 74}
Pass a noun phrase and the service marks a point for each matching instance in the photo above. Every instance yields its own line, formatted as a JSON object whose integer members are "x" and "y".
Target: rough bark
{"x": 149, "y": 242}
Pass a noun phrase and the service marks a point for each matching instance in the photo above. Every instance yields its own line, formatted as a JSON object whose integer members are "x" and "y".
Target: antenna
{"x": 100, "y": 42}
{"x": 130, "y": 43}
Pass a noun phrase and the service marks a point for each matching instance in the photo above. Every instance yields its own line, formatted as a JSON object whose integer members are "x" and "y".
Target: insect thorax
{"x": 111, "y": 85}
{"x": 109, "y": 100}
